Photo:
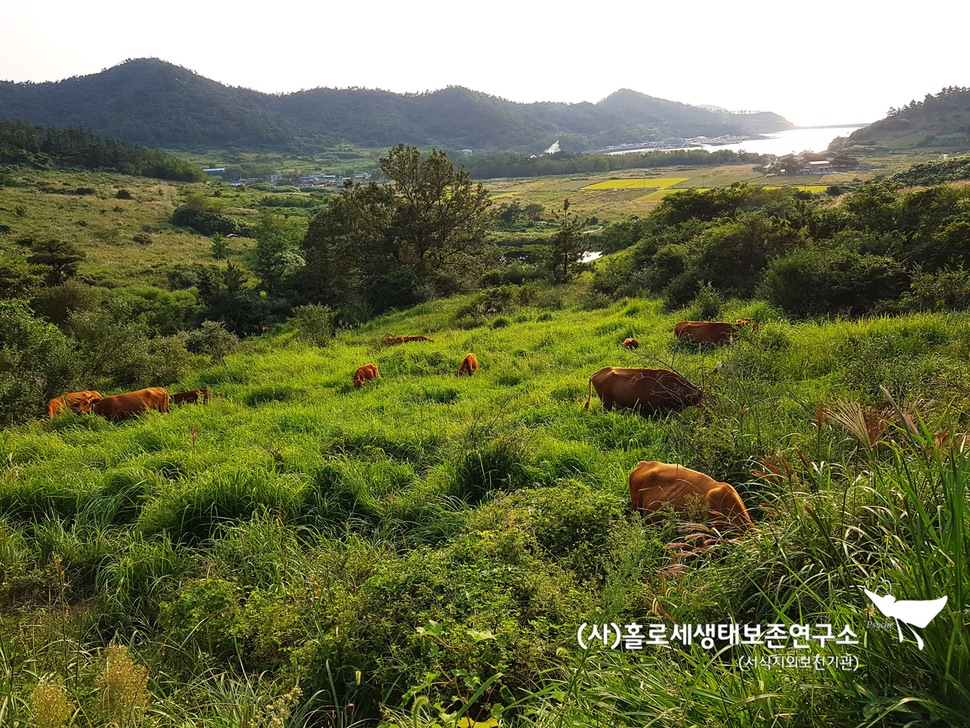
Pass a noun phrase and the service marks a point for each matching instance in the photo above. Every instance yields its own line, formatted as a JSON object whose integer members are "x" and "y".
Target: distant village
{"x": 310, "y": 180}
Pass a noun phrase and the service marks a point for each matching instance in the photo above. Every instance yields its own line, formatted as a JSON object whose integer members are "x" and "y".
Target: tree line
{"x": 491, "y": 165}
{"x": 43, "y": 147}
{"x": 877, "y": 249}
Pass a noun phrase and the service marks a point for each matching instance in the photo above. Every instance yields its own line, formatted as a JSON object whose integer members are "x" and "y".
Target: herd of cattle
{"x": 124, "y": 406}
{"x": 654, "y": 486}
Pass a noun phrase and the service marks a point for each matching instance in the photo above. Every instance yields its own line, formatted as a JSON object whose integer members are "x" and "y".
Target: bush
{"x": 168, "y": 361}
{"x": 707, "y": 304}
{"x": 110, "y": 344}
{"x": 58, "y": 303}
{"x": 314, "y": 323}
{"x": 211, "y": 339}
{"x": 207, "y": 222}
{"x": 945, "y": 290}
{"x": 483, "y": 607}
{"x": 816, "y": 281}
{"x": 36, "y": 363}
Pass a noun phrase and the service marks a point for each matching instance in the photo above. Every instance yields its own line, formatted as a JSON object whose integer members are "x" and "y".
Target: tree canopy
{"x": 394, "y": 244}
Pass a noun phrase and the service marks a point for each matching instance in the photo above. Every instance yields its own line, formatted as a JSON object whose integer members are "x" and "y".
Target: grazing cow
{"x": 365, "y": 374}
{"x": 647, "y": 390}
{"x": 709, "y": 332}
{"x": 193, "y": 396}
{"x": 654, "y": 485}
{"x": 80, "y": 402}
{"x": 132, "y": 404}
{"x": 630, "y": 344}
{"x": 469, "y": 365}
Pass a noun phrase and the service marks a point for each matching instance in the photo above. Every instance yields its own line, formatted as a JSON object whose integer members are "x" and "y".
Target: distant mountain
{"x": 153, "y": 102}
{"x": 938, "y": 122}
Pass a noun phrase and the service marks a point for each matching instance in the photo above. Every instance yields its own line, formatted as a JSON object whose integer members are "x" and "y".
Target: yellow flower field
{"x": 625, "y": 184}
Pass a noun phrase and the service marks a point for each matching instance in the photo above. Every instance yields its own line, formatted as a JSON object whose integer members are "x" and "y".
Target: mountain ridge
{"x": 154, "y": 102}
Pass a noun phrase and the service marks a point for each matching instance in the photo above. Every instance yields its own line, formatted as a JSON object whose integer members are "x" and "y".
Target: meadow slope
{"x": 425, "y": 548}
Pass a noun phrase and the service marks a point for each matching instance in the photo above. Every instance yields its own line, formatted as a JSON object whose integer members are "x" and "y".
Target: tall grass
{"x": 427, "y": 546}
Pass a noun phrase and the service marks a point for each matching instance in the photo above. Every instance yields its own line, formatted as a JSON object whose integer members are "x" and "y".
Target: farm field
{"x": 425, "y": 548}
{"x": 133, "y": 240}
{"x": 616, "y": 196}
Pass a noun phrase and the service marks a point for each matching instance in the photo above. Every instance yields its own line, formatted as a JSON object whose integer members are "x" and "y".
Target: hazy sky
{"x": 818, "y": 62}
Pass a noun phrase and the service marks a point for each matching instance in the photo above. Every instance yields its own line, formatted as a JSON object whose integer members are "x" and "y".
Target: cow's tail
{"x": 589, "y": 393}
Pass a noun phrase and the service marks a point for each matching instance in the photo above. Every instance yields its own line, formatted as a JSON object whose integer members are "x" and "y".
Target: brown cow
{"x": 646, "y": 390}
{"x": 365, "y": 374}
{"x": 709, "y": 332}
{"x": 79, "y": 402}
{"x": 653, "y": 485}
{"x": 192, "y": 396}
{"x": 132, "y": 404}
{"x": 630, "y": 344}
{"x": 469, "y": 365}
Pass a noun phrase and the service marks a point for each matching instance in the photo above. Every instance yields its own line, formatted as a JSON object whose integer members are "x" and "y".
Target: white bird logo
{"x": 914, "y": 612}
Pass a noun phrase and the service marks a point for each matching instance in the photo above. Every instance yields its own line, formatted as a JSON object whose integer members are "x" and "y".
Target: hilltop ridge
{"x": 151, "y": 101}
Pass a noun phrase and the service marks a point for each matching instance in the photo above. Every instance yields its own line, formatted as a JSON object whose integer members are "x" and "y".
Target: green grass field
{"x": 423, "y": 551}
{"x": 427, "y": 547}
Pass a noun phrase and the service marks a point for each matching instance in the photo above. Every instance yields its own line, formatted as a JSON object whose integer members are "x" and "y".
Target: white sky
{"x": 818, "y": 62}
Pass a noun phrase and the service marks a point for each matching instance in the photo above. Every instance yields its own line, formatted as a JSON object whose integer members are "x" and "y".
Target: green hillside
{"x": 428, "y": 546}
{"x": 160, "y": 104}
{"x": 938, "y": 122}
{"x": 434, "y": 551}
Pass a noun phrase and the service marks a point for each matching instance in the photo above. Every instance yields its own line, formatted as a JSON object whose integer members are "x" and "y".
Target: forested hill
{"x": 940, "y": 121}
{"x": 42, "y": 147}
{"x": 153, "y": 102}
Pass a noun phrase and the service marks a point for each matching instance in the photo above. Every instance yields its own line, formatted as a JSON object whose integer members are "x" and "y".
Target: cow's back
{"x": 364, "y": 374}
{"x": 131, "y": 404}
{"x": 469, "y": 365}
{"x": 705, "y": 332}
{"x": 652, "y": 390}
{"x": 655, "y": 485}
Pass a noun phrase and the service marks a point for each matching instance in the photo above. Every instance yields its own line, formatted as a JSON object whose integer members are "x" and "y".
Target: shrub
{"x": 478, "y": 614}
{"x": 945, "y": 290}
{"x": 110, "y": 343}
{"x": 36, "y": 362}
{"x": 207, "y": 222}
{"x": 58, "y": 303}
{"x": 17, "y": 278}
{"x": 168, "y": 360}
{"x": 212, "y": 339}
{"x": 707, "y": 304}
{"x": 314, "y": 323}
{"x": 817, "y": 280}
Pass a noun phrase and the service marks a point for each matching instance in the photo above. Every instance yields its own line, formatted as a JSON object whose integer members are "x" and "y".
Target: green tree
{"x": 568, "y": 245}
{"x": 276, "y": 255}
{"x": 393, "y": 243}
{"x": 533, "y": 211}
{"x": 17, "y": 277}
{"x": 226, "y": 296}
{"x": 59, "y": 259}
{"x": 36, "y": 362}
